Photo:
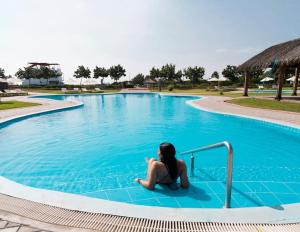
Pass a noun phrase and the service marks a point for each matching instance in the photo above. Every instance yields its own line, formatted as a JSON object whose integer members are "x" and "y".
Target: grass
{"x": 267, "y": 104}
{"x": 70, "y": 92}
{"x": 5, "y": 105}
{"x": 204, "y": 92}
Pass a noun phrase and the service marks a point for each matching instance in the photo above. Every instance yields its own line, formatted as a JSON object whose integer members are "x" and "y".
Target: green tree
{"x": 155, "y": 73}
{"x": 27, "y": 73}
{"x": 43, "y": 72}
{"x": 178, "y": 75}
{"x": 215, "y": 74}
{"x": 116, "y": 72}
{"x": 82, "y": 72}
{"x": 232, "y": 73}
{"x": 255, "y": 76}
{"x": 138, "y": 79}
{"x": 194, "y": 74}
{"x": 2, "y": 73}
{"x": 168, "y": 73}
{"x": 101, "y": 72}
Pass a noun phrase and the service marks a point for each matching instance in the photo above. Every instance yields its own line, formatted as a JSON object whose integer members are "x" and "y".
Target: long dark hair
{"x": 167, "y": 151}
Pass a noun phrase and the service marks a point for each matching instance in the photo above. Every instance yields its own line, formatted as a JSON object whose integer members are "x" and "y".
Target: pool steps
{"x": 229, "y": 165}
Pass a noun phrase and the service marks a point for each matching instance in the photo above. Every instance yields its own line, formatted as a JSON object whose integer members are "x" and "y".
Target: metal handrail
{"x": 229, "y": 165}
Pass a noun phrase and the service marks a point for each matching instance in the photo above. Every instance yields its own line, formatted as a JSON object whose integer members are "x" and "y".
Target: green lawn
{"x": 204, "y": 92}
{"x": 5, "y": 105}
{"x": 267, "y": 104}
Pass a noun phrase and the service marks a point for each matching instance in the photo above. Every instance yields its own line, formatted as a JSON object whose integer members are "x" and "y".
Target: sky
{"x": 140, "y": 34}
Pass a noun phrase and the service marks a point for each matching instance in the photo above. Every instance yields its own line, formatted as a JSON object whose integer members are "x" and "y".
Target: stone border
{"x": 281, "y": 214}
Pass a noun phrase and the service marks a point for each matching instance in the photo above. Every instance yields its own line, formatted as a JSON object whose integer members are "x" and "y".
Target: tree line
{"x": 168, "y": 73}
{"x": 115, "y": 72}
{"x": 165, "y": 74}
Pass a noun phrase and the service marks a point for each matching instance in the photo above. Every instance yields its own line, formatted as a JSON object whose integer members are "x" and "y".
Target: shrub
{"x": 170, "y": 87}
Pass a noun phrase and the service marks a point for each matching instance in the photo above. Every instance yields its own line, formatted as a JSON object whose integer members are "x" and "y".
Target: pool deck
{"x": 219, "y": 105}
{"x": 20, "y": 215}
{"x": 45, "y": 106}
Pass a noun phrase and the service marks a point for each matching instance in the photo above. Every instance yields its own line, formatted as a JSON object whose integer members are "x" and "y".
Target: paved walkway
{"x": 14, "y": 223}
{"x": 218, "y": 104}
{"x": 6, "y": 226}
{"x": 46, "y": 104}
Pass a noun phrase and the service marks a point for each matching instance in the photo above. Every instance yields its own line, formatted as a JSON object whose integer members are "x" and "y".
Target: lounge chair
{"x": 98, "y": 89}
{"x": 260, "y": 87}
{"x": 9, "y": 91}
{"x": 84, "y": 90}
{"x": 75, "y": 89}
{"x": 19, "y": 91}
{"x": 64, "y": 90}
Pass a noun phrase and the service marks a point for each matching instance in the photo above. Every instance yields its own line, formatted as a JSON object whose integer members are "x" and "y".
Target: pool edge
{"x": 282, "y": 214}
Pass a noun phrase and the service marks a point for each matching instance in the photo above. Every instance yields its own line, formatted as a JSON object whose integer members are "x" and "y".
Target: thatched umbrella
{"x": 279, "y": 57}
{"x": 149, "y": 82}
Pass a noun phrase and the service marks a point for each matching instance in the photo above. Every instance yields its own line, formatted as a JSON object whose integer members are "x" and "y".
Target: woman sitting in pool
{"x": 166, "y": 170}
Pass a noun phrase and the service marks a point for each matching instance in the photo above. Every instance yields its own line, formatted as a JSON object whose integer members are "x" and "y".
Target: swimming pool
{"x": 97, "y": 150}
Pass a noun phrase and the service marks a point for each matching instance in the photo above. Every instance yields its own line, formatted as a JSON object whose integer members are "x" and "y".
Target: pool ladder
{"x": 229, "y": 165}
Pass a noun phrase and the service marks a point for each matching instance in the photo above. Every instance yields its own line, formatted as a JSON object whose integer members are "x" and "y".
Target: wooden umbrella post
{"x": 280, "y": 83}
{"x": 246, "y": 84}
{"x": 295, "y": 84}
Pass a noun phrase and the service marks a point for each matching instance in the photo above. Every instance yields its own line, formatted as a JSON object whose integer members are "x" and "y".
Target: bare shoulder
{"x": 157, "y": 164}
{"x": 181, "y": 164}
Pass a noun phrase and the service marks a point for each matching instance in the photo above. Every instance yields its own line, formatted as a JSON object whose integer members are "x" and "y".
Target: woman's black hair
{"x": 167, "y": 151}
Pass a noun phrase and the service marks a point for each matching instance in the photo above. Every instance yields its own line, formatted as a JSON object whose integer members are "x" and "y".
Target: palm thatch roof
{"x": 149, "y": 81}
{"x": 283, "y": 54}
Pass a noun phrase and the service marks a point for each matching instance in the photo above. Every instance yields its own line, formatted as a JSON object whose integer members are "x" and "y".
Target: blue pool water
{"x": 97, "y": 150}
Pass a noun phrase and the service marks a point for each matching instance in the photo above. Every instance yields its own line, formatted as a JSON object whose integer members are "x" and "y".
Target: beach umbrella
{"x": 90, "y": 81}
{"x": 223, "y": 79}
{"x": 267, "y": 70}
{"x": 213, "y": 79}
{"x": 266, "y": 79}
{"x": 71, "y": 82}
{"x": 292, "y": 79}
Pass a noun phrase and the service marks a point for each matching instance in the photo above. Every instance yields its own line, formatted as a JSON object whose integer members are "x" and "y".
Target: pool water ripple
{"x": 97, "y": 150}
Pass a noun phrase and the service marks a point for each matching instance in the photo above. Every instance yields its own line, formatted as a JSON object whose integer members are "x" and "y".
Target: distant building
{"x": 43, "y": 81}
